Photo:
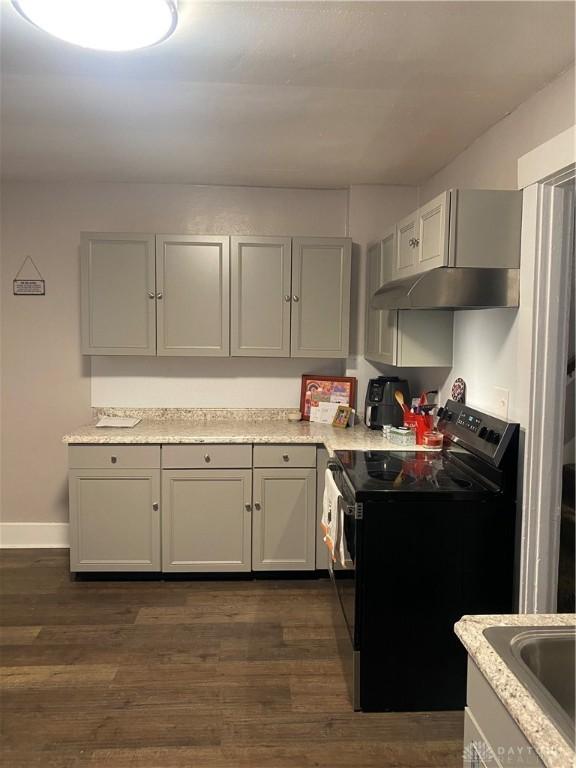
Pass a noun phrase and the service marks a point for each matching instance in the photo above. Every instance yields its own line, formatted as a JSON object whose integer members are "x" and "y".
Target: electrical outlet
{"x": 501, "y": 397}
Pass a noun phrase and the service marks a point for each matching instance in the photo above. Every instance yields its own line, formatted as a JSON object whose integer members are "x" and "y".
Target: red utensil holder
{"x": 422, "y": 422}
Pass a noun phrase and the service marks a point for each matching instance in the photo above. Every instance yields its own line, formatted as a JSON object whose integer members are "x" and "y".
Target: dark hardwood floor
{"x": 151, "y": 674}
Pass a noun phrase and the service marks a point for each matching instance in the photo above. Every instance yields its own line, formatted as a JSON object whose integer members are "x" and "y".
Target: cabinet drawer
{"x": 206, "y": 455}
{"x": 284, "y": 455}
{"x": 114, "y": 456}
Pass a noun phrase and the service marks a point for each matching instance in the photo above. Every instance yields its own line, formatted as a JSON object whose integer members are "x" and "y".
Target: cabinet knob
{"x": 257, "y": 506}
{"x": 113, "y": 459}
{"x": 296, "y": 298}
{"x": 207, "y": 458}
{"x": 248, "y": 507}
{"x": 158, "y": 295}
{"x": 287, "y": 297}
{"x": 150, "y": 294}
{"x": 285, "y": 457}
{"x": 155, "y": 506}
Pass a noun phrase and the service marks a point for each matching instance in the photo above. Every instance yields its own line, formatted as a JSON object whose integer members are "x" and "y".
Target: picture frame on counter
{"x": 342, "y": 416}
{"x": 331, "y": 389}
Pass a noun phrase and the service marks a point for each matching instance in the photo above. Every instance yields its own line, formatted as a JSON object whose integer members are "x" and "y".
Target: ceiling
{"x": 311, "y": 94}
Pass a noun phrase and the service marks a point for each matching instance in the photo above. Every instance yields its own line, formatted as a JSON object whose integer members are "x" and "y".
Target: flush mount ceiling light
{"x": 106, "y": 25}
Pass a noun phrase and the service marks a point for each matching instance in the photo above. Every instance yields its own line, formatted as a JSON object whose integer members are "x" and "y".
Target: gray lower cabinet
{"x": 114, "y": 519}
{"x": 492, "y": 739}
{"x": 284, "y": 520}
{"x": 206, "y": 520}
{"x": 321, "y": 270}
{"x": 118, "y": 294}
{"x": 192, "y": 293}
{"x": 260, "y": 296}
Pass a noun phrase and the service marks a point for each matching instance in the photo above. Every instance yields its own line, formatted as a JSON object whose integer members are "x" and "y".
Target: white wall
{"x": 486, "y": 342}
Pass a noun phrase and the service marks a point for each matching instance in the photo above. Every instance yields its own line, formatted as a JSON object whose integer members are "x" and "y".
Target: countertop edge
{"x": 549, "y": 743}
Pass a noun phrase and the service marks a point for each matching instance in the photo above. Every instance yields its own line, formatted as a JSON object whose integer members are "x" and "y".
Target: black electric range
{"x": 430, "y": 537}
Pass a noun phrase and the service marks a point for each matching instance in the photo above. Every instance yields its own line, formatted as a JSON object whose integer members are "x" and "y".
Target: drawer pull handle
{"x": 285, "y": 457}
{"x": 248, "y": 507}
{"x": 257, "y": 506}
{"x": 296, "y": 298}
{"x": 113, "y": 459}
{"x": 155, "y": 506}
{"x": 207, "y": 458}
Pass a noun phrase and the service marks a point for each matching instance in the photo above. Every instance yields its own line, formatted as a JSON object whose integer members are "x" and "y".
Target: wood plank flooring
{"x": 179, "y": 674}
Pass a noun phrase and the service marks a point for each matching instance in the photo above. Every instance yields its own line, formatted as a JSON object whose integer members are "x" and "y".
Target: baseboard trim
{"x": 34, "y": 536}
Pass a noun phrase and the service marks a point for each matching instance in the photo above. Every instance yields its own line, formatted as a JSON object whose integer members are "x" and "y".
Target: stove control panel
{"x": 469, "y": 421}
{"x": 485, "y": 434}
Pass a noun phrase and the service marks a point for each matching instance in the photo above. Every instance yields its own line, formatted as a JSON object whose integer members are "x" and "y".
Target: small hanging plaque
{"x": 29, "y": 286}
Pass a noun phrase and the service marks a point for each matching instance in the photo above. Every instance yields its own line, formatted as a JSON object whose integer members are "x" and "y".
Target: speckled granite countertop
{"x": 251, "y": 426}
{"x": 542, "y": 734}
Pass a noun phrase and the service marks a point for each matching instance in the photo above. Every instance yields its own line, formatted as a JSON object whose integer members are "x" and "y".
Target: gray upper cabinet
{"x": 460, "y": 228}
{"x": 432, "y": 240}
{"x": 320, "y": 296}
{"x": 184, "y": 295}
{"x": 118, "y": 294}
{"x": 406, "y": 257}
{"x": 408, "y": 338}
{"x": 381, "y": 325}
{"x": 192, "y": 284}
{"x": 260, "y": 296}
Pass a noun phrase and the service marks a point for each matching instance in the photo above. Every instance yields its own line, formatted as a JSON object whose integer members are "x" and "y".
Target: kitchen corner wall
{"x": 48, "y": 386}
{"x": 486, "y": 342}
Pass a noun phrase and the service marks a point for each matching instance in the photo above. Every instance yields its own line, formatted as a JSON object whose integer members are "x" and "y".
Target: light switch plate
{"x": 501, "y": 397}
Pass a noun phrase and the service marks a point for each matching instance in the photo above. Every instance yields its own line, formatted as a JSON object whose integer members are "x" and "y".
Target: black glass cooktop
{"x": 430, "y": 472}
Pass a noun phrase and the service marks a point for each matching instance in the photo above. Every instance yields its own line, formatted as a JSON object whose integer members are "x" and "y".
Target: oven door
{"x": 344, "y": 577}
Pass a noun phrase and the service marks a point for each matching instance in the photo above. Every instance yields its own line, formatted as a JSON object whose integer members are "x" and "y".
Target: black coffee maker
{"x": 381, "y": 406}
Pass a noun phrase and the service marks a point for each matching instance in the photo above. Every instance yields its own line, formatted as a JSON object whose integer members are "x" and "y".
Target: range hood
{"x": 452, "y": 288}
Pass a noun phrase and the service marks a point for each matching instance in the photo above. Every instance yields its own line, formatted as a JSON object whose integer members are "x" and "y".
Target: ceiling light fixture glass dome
{"x": 106, "y": 25}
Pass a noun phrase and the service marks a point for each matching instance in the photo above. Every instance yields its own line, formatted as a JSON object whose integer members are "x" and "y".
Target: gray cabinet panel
{"x": 206, "y": 456}
{"x": 114, "y": 520}
{"x": 260, "y": 296}
{"x": 321, "y": 549}
{"x": 118, "y": 294}
{"x": 433, "y": 233}
{"x": 485, "y": 228}
{"x": 425, "y": 338}
{"x": 206, "y": 520}
{"x": 114, "y": 456}
{"x": 320, "y": 296}
{"x": 381, "y": 325}
{"x": 285, "y": 456}
{"x": 284, "y": 520}
{"x": 192, "y": 279}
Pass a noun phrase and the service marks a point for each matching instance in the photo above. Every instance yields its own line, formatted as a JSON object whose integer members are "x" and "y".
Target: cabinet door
{"x": 192, "y": 283}
{"x": 114, "y": 520}
{"x": 320, "y": 296}
{"x": 381, "y": 325}
{"x": 433, "y": 233}
{"x": 118, "y": 294}
{"x": 206, "y": 520}
{"x": 260, "y": 296}
{"x": 284, "y": 520}
{"x": 406, "y": 261}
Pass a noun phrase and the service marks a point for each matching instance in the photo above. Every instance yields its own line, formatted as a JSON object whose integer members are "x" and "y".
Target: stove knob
{"x": 490, "y": 436}
{"x": 440, "y": 412}
{"x": 448, "y": 415}
{"x": 495, "y": 438}
{"x": 483, "y": 432}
